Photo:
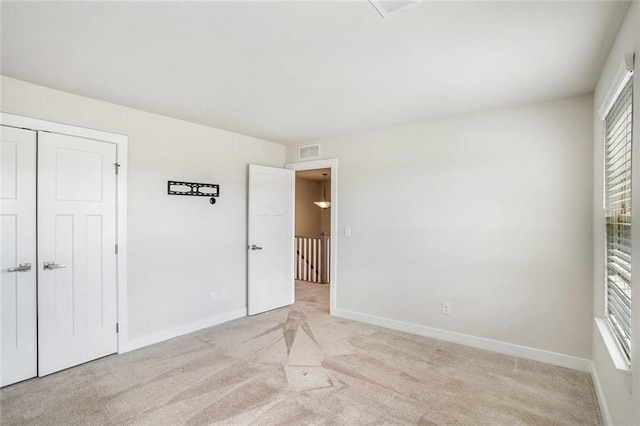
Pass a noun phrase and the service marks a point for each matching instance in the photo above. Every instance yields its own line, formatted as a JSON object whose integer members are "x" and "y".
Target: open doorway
{"x": 315, "y": 249}
{"x": 312, "y": 252}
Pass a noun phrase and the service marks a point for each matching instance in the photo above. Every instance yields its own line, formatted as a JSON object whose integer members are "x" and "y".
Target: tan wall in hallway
{"x": 325, "y": 214}
{"x": 308, "y": 215}
{"x": 311, "y": 220}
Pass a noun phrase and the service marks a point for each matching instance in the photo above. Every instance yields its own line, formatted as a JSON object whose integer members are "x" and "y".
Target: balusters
{"x": 312, "y": 258}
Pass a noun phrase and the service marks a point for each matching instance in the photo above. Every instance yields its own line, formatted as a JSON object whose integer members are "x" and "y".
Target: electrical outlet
{"x": 446, "y": 308}
{"x": 225, "y": 293}
{"x": 214, "y": 295}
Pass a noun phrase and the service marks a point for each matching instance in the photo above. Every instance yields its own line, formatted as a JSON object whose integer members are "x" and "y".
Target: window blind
{"x": 618, "y": 133}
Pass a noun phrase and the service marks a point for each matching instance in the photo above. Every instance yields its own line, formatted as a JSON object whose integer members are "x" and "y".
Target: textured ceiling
{"x": 292, "y": 72}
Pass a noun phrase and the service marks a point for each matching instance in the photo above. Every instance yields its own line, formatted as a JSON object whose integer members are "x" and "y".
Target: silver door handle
{"x": 24, "y": 267}
{"x": 255, "y": 247}
{"x": 52, "y": 265}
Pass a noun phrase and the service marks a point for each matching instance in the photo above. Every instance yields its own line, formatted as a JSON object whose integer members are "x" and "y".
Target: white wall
{"x": 624, "y": 408}
{"x": 180, "y": 248}
{"x": 490, "y": 211}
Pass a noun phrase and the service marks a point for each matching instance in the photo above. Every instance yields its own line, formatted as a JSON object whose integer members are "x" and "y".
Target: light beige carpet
{"x": 298, "y": 365}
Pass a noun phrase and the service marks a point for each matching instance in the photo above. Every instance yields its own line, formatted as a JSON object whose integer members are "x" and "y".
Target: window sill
{"x": 618, "y": 358}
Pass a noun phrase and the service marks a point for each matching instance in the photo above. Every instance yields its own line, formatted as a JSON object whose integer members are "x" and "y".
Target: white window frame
{"x": 621, "y": 361}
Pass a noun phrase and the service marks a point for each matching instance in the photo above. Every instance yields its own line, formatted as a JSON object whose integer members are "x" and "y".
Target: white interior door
{"x": 77, "y": 309}
{"x": 18, "y": 356}
{"x": 271, "y": 238}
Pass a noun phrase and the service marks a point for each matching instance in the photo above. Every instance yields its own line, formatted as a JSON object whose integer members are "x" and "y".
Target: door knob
{"x": 255, "y": 247}
{"x": 24, "y": 267}
{"x": 53, "y": 265}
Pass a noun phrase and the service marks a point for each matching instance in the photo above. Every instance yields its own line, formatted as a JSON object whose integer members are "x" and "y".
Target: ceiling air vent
{"x": 388, "y": 7}
{"x": 308, "y": 151}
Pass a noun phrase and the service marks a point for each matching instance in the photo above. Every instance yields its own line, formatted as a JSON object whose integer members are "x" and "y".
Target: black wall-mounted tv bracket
{"x": 211, "y": 190}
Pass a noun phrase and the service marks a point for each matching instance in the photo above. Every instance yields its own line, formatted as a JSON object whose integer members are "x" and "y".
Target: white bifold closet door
{"x": 18, "y": 354}
{"x": 77, "y": 301}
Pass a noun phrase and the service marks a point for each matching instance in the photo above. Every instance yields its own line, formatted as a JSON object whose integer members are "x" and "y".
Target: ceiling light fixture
{"x": 324, "y": 204}
{"x": 388, "y": 7}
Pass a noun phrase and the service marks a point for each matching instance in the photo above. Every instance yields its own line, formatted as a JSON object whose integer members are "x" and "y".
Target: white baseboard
{"x": 533, "y": 354}
{"x": 604, "y": 409}
{"x": 170, "y": 333}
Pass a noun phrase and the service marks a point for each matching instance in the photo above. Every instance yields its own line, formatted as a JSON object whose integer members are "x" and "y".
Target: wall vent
{"x": 308, "y": 151}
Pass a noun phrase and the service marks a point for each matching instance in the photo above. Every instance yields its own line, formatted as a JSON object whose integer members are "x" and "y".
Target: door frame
{"x": 329, "y": 163}
{"x": 121, "y": 142}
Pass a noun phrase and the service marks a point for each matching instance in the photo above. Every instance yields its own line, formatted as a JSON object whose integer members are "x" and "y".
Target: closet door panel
{"x": 18, "y": 356}
{"x": 77, "y": 295}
